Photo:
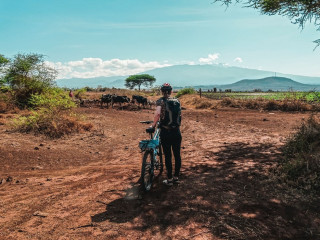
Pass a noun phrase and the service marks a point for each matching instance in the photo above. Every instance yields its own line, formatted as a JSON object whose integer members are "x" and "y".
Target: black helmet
{"x": 166, "y": 87}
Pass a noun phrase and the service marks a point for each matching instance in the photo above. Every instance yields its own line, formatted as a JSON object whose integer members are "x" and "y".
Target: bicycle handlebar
{"x": 146, "y": 122}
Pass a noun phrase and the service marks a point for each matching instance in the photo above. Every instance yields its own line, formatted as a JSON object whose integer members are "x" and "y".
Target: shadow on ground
{"x": 231, "y": 196}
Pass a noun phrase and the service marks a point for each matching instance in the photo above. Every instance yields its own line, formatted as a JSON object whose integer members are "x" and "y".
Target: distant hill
{"x": 117, "y": 82}
{"x": 273, "y": 83}
{"x": 188, "y": 75}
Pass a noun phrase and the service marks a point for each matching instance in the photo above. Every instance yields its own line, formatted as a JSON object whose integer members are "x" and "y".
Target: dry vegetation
{"x": 195, "y": 102}
{"x": 270, "y": 105}
{"x": 50, "y": 124}
{"x": 116, "y": 91}
{"x": 301, "y": 162}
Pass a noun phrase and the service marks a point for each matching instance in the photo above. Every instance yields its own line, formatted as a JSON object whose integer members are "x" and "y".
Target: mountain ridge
{"x": 188, "y": 75}
{"x": 265, "y": 84}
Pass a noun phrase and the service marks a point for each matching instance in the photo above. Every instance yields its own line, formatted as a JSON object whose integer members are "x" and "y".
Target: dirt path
{"x": 85, "y": 186}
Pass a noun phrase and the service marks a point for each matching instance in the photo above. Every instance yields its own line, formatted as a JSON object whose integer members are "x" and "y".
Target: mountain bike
{"x": 152, "y": 163}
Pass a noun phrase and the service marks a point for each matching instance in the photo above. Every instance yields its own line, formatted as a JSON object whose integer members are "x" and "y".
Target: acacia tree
{"x": 299, "y": 11}
{"x": 138, "y": 80}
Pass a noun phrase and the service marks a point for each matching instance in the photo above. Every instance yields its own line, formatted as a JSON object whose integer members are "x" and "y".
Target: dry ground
{"x": 85, "y": 186}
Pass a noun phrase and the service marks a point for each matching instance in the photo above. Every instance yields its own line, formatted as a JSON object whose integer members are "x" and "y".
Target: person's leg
{"x": 166, "y": 146}
{"x": 176, "y": 148}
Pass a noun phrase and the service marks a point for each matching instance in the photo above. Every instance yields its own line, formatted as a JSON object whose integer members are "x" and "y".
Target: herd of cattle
{"x": 111, "y": 99}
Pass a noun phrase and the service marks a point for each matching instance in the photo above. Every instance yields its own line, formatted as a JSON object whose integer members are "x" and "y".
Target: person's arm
{"x": 156, "y": 116}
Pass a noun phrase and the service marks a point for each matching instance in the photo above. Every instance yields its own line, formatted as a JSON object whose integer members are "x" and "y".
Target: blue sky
{"x": 119, "y": 37}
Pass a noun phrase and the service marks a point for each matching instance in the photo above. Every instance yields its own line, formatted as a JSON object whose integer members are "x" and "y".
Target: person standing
{"x": 70, "y": 93}
{"x": 168, "y": 113}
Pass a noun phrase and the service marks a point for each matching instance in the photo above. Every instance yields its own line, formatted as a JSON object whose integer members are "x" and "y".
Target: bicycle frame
{"x": 153, "y": 142}
{"x": 151, "y": 148}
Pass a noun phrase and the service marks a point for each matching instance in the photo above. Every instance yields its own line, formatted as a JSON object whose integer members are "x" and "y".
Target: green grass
{"x": 185, "y": 91}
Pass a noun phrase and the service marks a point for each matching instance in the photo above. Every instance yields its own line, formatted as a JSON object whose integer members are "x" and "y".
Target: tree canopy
{"x": 26, "y": 74}
{"x": 299, "y": 11}
{"x": 138, "y": 80}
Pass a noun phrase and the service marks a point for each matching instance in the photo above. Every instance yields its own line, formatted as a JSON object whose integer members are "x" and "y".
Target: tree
{"x": 3, "y": 63}
{"x": 27, "y": 74}
{"x": 299, "y": 11}
{"x": 138, "y": 80}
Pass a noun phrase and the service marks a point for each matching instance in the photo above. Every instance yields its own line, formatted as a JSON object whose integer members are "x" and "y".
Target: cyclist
{"x": 168, "y": 113}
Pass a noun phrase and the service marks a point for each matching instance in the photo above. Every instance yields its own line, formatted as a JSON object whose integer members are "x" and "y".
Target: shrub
{"x": 230, "y": 102}
{"x": 301, "y": 156}
{"x": 54, "y": 98}
{"x": 185, "y": 91}
{"x": 50, "y": 123}
{"x": 194, "y": 101}
{"x": 80, "y": 92}
{"x": 52, "y": 115}
{"x": 4, "y": 89}
{"x": 6, "y": 104}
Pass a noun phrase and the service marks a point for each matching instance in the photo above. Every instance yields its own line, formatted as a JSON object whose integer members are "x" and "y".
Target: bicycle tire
{"x": 147, "y": 170}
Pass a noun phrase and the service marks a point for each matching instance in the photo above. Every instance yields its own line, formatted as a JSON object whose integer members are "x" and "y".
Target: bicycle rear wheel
{"x": 147, "y": 170}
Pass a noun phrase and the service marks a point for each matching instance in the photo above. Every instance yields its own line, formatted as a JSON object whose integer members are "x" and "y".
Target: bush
{"x": 53, "y": 98}
{"x": 50, "y": 123}
{"x": 80, "y": 92}
{"x": 185, "y": 91}
{"x": 52, "y": 115}
{"x": 4, "y": 89}
{"x": 301, "y": 162}
{"x": 6, "y": 104}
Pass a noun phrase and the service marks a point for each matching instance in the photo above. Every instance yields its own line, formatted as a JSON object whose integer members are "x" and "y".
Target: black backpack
{"x": 172, "y": 116}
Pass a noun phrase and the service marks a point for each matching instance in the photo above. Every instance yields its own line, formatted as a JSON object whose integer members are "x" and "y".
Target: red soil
{"x": 85, "y": 186}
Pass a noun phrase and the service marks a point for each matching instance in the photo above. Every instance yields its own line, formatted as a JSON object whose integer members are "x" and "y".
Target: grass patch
{"x": 185, "y": 91}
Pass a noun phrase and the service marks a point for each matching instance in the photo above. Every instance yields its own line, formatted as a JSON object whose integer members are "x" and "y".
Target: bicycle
{"x": 152, "y": 158}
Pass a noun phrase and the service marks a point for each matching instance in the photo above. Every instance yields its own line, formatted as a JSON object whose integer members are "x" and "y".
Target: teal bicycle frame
{"x": 152, "y": 150}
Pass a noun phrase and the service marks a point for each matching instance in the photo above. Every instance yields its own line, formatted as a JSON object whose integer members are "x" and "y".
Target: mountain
{"x": 188, "y": 75}
{"x": 274, "y": 83}
{"x": 117, "y": 82}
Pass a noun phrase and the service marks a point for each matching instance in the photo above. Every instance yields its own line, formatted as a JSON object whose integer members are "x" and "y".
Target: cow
{"x": 119, "y": 99}
{"x": 151, "y": 103}
{"x": 140, "y": 100}
{"x": 88, "y": 102}
{"x": 106, "y": 98}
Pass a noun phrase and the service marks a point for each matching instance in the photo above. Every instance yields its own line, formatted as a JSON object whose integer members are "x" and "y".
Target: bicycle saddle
{"x": 150, "y": 130}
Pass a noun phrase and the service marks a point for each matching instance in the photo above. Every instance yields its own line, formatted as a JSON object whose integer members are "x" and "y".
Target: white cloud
{"x": 96, "y": 67}
{"x": 210, "y": 59}
{"x": 238, "y": 60}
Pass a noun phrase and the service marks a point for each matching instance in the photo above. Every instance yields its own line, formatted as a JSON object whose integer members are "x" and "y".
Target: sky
{"x": 122, "y": 37}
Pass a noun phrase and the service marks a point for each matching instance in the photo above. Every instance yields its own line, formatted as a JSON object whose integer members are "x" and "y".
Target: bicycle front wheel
{"x": 160, "y": 160}
{"x": 147, "y": 170}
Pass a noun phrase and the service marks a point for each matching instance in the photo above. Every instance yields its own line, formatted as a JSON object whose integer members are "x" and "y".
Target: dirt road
{"x": 85, "y": 186}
